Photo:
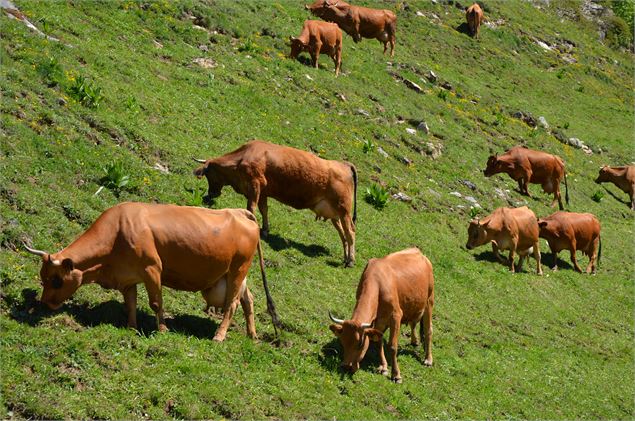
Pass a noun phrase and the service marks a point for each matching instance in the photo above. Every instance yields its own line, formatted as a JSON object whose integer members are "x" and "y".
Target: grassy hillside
{"x": 521, "y": 346}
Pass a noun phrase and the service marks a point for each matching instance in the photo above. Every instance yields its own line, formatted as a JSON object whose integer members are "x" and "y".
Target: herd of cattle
{"x": 211, "y": 251}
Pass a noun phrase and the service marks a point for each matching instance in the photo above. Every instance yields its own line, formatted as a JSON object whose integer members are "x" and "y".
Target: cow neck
{"x": 90, "y": 248}
{"x": 367, "y": 303}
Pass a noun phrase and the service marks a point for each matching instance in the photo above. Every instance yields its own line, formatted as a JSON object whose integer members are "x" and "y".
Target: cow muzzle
{"x": 349, "y": 368}
{"x": 468, "y": 246}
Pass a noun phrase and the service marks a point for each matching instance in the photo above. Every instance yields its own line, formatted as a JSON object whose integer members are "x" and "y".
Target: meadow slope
{"x": 558, "y": 346}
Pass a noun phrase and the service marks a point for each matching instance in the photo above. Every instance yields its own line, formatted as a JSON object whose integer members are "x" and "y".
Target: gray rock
{"x": 382, "y": 152}
{"x": 468, "y": 184}
{"x": 423, "y": 126}
{"x": 363, "y": 112}
{"x": 447, "y": 85}
{"x": 402, "y": 196}
{"x": 411, "y": 130}
{"x": 406, "y": 160}
{"x": 433, "y": 150}
{"x": 575, "y": 142}
{"x": 431, "y": 76}
{"x": 542, "y": 122}
{"x": 412, "y": 85}
{"x": 62, "y": 101}
{"x": 456, "y": 193}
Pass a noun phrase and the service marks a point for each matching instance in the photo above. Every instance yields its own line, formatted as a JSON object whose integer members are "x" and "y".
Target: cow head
{"x": 355, "y": 338}
{"x": 59, "y": 278}
{"x": 603, "y": 176}
{"x": 215, "y": 185}
{"x": 476, "y": 234}
{"x": 297, "y": 47}
{"x": 495, "y": 165}
{"x": 547, "y": 228}
{"x": 325, "y": 9}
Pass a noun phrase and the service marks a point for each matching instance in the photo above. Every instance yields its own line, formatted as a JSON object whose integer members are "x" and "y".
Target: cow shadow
{"x": 488, "y": 256}
{"x": 616, "y": 197}
{"x": 331, "y": 354}
{"x": 464, "y": 29}
{"x": 30, "y": 311}
{"x": 279, "y": 243}
{"x": 548, "y": 260}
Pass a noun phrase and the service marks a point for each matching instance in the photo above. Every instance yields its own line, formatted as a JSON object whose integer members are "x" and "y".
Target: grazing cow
{"x": 622, "y": 177}
{"x": 317, "y": 38}
{"x": 396, "y": 289}
{"x": 184, "y": 248}
{"x": 474, "y": 17}
{"x": 259, "y": 170}
{"x": 358, "y": 22}
{"x": 513, "y": 229}
{"x": 530, "y": 166}
{"x": 572, "y": 231}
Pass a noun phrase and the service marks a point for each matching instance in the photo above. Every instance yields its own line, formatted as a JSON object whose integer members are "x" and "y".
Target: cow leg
{"x": 497, "y": 253}
{"x": 427, "y": 331}
{"x": 521, "y": 260}
{"x": 264, "y": 211}
{"x": 512, "y": 255}
{"x": 383, "y": 364}
{"x": 392, "y": 46}
{"x": 232, "y": 295}
{"x": 557, "y": 196}
{"x": 555, "y": 260}
{"x": 413, "y": 334}
{"x": 394, "y": 345}
{"x": 338, "y": 226}
{"x": 574, "y": 260}
{"x": 349, "y": 231}
{"x": 385, "y": 47}
{"x": 315, "y": 53}
{"x": 537, "y": 257}
{"x": 130, "y": 302}
{"x": 155, "y": 297}
{"x": 247, "y": 303}
{"x": 593, "y": 256}
{"x": 632, "y": 194}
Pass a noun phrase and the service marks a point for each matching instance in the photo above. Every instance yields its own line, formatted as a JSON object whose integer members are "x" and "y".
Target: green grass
{"x": 505, "y": 346}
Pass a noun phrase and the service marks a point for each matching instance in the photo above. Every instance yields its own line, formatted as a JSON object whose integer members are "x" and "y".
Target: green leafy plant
{"x": 249, "y": 46}
{"x": 566, "y": 125}
{"x": 560, "y": 74}
{"x": 194, "y": 197}
{"x": 115, "y": 177}
{"x": 598, "y": 196}
{"x": 85, "y": 92}
{"x": 51, "y": 71}
{"x": 131, "y": 104}
{"x": 443, "y": 94}
{"x": 377, "y": 196}
{"x": 474, "y": 212}
{"x": 368, "y": 146}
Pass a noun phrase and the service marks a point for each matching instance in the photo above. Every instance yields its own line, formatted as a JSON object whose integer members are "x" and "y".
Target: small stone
{"x": 382, "y": 152}
{"x": 363, "y": 112}
{"x": 468, "y": 184}
{"x": 542, "y": 122}
{"x": 575, "y": 142}
{"x": 308, "y": 77}
{"x": 419, "y": 13}
{"x": 157, "y": 44}
{"x": 472, "y": 200}
{"x": 402, "y": 196}
{"x": 206, "y": 63}
{"x": 411, "y": 130}
{"x": 162, "y": 168}
{"x": 446, "y": 85}
{"x": 341, "y": 97}
{"x": 406, "y": 160}
{"x": 431, "y": 76}
{"x": 423, "y": 126}
{"x": 456, "y": 193}
{"x": 412, "y": 85}
{"x": 203, "y": 47}
{"x": 434, "y": 192}
{"x": 543, "y": 45}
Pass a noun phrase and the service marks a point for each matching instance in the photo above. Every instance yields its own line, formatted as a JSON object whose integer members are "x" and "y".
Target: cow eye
{"x": 56, "y": 282}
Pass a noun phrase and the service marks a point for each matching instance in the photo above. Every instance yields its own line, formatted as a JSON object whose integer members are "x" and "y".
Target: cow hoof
{"x": 163, "y": 328}
{"x": 428, "y": 362}
{"x": 383, "y": 371}
{"x": 264, "y": 233}
{"x": 396, "y": 380}
{"x": 218, "y": 338}
{"x": 349, "y": 264}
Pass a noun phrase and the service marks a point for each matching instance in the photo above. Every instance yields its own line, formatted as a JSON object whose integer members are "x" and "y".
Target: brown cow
{"x": 572, "y": 231}
{"x": 259, "y": 170}
{"x": 358, "y": 22}
{"x": 185, "y": 248}
{"x": 474, "y": 17}
{"x": 622, "y": 177}
{"x": 317, "y": 38}
{"x": 513, "y": 229}
{"x": 530, "y": 166}
{"x": 396, "y": 289}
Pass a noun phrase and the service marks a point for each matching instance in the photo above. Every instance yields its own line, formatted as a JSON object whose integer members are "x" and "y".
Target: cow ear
{"x": 542, "y": 224}
{"x": 374, "y": 334}
{"x": 67, "y": 264}
{"x": 336, "y": 329}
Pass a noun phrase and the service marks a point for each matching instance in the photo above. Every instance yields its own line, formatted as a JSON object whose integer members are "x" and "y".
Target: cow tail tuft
{"x": 600, "y": 252}
{"x": 566, "y": 188}
{"x": 354, "y": 171}
{"x": 271, "y": 307}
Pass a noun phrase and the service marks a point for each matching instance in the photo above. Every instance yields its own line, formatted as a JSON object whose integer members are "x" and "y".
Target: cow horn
{"x": 34, "y": 251}
{"x": 200, "y": 161}
{"x": 366, "y": 325}
{"x": 336, "y": 320}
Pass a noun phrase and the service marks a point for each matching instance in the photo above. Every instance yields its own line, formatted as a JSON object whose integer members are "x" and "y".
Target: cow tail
{"x": 354, "y": 171}
{"x": 600, "y": 251}
{"x": 566, "y": 188}
{"x": 271, "y": 307}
